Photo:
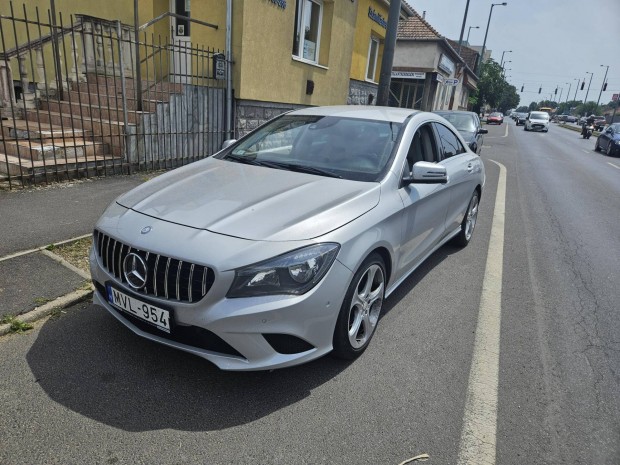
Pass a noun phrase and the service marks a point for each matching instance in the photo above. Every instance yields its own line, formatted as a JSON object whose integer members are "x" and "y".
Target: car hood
{"x": 252, "y": 202}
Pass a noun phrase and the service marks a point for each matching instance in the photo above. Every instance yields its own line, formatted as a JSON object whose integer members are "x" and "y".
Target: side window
{"x": 423, "y": 147}
{"x": 449, "y": 142}
{"x": 371, "y": 65}
{"x": 308, "y": 18}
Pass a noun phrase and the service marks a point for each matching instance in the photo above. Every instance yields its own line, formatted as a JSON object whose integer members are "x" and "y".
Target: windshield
{"x": 538, "y": 115}
{"x": 461, "y": 122}
{"x": 349, "y": 148}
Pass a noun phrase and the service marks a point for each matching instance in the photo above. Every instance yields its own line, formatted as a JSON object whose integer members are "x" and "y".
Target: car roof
{"x": 388, "y": 114}
{"x": 449, "y": 112}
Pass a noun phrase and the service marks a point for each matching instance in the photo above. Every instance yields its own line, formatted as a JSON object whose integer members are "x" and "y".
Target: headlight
{"x": 618, "y": 142}
{"x": 294, "y": 272}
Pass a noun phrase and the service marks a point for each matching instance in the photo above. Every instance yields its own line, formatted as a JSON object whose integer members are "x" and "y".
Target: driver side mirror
{"x": 483, "y": 131}
{"x": 227, "y": 143}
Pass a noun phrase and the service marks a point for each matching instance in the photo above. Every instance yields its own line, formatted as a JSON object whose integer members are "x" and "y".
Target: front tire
{"x": 597, "y": 148}
{"x": 608, "y": 151}
{"x": 469, "y": 222}
{"x": 360, "y": 310}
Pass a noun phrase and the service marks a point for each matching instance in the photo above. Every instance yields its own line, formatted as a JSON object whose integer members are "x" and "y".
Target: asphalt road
{"x": 82, "y": 389}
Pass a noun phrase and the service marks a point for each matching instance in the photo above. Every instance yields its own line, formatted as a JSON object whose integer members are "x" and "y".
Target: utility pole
{"x": 388, "y": 53}
{"x": 602, "y": 85}
{"x": 585, "y": 100}
{"x": 463, "y": 29}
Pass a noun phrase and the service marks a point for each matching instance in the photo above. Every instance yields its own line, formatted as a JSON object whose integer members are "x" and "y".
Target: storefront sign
{"x": 408, "y": 75}
{"x": 445, "y": 64}
{"x": 280, "y": 3}
{"x": 377, "y": 18}
{"x": 439, "y": 77}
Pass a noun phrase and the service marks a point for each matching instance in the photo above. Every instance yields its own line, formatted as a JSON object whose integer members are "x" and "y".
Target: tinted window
{"x": 461, "y": 121}
{"x": 450, "y": 143}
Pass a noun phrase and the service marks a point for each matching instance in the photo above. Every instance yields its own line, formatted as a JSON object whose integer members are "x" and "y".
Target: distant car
{"x": 609, "y": 140}
{"x": 467, "y": 123}
{"x": 520, "y": 120}
{"x": 537, "y": 121}
{"x": 571, "y": 119}
{"x": 495, "y": 118}
{"x": 599, "y": 123}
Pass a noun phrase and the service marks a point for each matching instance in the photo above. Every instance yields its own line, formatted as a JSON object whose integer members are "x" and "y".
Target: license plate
{"x": 154, "y": 315}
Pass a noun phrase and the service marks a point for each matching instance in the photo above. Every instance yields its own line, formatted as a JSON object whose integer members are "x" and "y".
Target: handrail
{"x": 38, "y": 42}
{"x": 168, "y": 13}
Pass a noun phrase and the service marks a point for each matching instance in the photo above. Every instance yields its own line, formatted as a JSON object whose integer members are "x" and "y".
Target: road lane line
{"x": 617, "y": 167}
{"x": 478, "y": 435}
{"x": 585, "y": 151}
{"x": 506, "y": 135}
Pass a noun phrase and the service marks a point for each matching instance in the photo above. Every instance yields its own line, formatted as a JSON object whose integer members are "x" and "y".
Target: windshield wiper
{"x": 301, "y": 168}
{"x": 243, "y": 159}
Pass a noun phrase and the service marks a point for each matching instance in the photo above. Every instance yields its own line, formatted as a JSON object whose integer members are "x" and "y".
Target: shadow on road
{"x": 89, "y": 363}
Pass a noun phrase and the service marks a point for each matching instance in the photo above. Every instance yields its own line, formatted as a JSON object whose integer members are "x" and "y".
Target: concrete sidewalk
{"x": 33, "y": 280}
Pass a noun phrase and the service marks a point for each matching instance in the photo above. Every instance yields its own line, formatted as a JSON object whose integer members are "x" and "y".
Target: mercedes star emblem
{"x": 146, "y": 230}
{"x": 134, "y": 269}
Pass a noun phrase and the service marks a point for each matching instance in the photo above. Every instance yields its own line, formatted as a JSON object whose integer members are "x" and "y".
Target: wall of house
{"x": 364, "y": 30}
{"x": 265, "y": 69}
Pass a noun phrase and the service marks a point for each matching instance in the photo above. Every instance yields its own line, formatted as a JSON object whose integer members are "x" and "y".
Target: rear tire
{"x": 469, "y": 222}
{"x": 597, "y": 148}
{"x": 360, "y": 310}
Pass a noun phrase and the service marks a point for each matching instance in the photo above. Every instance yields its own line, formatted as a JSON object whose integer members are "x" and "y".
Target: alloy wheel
{"x": 472, "y": 216}
{"x": 365, "y": 307}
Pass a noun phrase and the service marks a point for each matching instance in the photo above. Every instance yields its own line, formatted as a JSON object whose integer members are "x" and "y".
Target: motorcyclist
{"x": 589, "y": 122}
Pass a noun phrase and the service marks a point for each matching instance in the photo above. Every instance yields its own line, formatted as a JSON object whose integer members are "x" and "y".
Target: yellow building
{"x": 285, "y": 52}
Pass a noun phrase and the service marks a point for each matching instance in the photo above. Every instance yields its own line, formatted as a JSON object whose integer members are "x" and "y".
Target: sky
{"x": 553, "y": 42}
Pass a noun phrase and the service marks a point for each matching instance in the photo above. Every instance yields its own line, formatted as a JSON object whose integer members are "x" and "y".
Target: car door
{"x": 461, "y": 165}
{"x": 425, "y": 205}
{"x": 607, "y": 137}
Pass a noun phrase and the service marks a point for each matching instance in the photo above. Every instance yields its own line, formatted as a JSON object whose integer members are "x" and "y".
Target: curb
{"x": 64, "y": 301}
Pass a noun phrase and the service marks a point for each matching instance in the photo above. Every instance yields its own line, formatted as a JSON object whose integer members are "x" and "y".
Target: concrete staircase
{"x": 82, "y": 135}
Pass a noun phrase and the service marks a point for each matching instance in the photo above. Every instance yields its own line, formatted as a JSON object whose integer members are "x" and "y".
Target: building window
{"x": 308, "y": 15}
{"x": 371, "y": 65}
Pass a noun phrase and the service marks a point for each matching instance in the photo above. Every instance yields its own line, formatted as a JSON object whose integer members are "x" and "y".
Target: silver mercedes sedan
{"x": 283, "y": 246}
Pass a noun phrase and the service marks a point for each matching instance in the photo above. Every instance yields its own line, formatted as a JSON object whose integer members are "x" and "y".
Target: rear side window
{"x": 449, "y": 141}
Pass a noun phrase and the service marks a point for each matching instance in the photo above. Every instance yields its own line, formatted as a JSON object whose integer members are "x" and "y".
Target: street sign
{"x": 451, "y": 82}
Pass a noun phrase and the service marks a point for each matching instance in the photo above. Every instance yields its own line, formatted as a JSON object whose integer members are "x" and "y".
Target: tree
{"x": 532, "y": 107}
{"x": 493, "y": 90}
{"x": 522, "y": 109}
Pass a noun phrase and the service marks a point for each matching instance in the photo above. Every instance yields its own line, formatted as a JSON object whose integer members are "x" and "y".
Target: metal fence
{"x": 74, "y": 107}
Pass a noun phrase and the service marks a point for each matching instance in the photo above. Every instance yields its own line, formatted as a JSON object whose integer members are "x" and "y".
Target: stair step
{"x": 157, "y": 91}
{"x": 15, "y": 166}
{"x": 31, "y": 129}
{"x": 96, "y": 126}
{"x": 50, "y": 150}
{"x": 84, "y": 110}
{"x": 130, "y": 83}
{"x": 109, "y": 101}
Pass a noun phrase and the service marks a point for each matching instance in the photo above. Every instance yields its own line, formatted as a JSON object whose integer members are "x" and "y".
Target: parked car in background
{"x": 467, "y": 123}
{"x": 521, "y": 119}
{"x": 609, "y": 140}
{"x": 537, "y": 121}
{"x": 599, "y": 123}
{"x": 571, "y": 119}
{"x": 495, "y": 118}
{"x": 283, "y": 246}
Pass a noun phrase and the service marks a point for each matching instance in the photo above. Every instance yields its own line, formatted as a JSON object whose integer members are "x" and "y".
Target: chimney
{"x": 424, "y": 14}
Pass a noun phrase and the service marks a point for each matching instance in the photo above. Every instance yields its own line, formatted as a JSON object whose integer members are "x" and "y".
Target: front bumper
{"x": 243, "y": 324}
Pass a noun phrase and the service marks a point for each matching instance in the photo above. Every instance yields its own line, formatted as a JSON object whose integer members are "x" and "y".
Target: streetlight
{"x": 469, "y": 31}
{"x": 505, "y": 63}
{"x": 602, "y": 85}
{"x": 505, "y": 51}
{"x": 585, "y": 100}
{"x": 576, "y": 88}
{"x": 484, "y": 43}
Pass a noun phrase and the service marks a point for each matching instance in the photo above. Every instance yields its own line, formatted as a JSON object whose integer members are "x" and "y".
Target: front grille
{"x": 166, "y": 277}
